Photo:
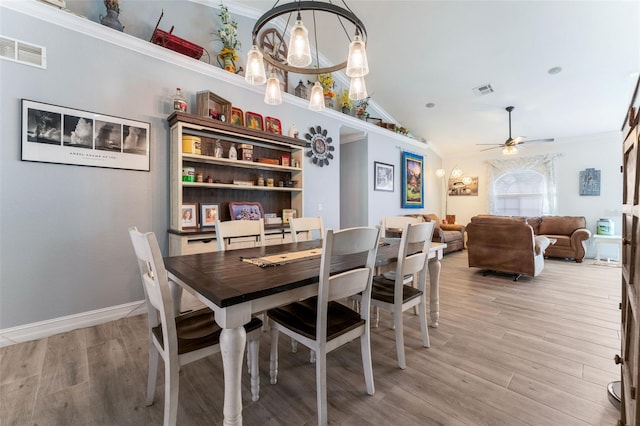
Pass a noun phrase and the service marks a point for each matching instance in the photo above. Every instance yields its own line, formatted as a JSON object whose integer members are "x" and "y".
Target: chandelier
{"x": 299, "y": 59}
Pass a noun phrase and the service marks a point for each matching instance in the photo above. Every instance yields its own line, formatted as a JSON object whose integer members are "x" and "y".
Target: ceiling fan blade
{"x": 496, "y": 144}
{"x": 488, "y": 149}
{"x": 540, "y": 140}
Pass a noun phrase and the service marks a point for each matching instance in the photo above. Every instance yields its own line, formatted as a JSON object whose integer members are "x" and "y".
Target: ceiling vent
{"x": 485, "y": 89}
{"x": 24, "y": 53}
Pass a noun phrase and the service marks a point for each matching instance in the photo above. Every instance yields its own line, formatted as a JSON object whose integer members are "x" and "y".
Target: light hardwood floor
{"x": 533, "y": 352}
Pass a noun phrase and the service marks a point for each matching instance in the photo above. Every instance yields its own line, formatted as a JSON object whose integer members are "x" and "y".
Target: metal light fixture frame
{"x": 312, "y": 6}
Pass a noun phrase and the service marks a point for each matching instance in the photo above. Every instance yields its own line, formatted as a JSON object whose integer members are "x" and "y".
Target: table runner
{"x": 282, "y": 258}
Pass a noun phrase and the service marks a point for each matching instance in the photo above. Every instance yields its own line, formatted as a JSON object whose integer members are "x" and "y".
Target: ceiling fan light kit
{"x": 298, "y": 58}
{"x": 509, "y": 147}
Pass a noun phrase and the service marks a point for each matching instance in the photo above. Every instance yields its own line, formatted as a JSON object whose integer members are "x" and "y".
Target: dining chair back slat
{"x": 242, "y": 233}
{"x": 305, "y": 228}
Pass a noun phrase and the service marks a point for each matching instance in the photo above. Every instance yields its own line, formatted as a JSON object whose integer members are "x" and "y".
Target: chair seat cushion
{"x": 382, "y": 290}
{"x": 301, "y": 318}
{"x": 198, "y": 329}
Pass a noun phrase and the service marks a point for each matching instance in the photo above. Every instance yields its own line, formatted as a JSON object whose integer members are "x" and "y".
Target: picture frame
{"x": 246, "y": 210}
{"x": 61, "y": 135}
{"x": 273, "y": 125}
{"x": 254, "y": 121}
{"x": 590, "y": 182}
{"x": 464, "y": 185}
{"x": 412, "y": 180}
{"x": 237, "y": 117}
{"x": 288, "y": 214}
{"x": 383, "y": 176}
{"x": 189, "y": 216}
{"x": 210, "y": 105}
{"x": 209, "y": 213}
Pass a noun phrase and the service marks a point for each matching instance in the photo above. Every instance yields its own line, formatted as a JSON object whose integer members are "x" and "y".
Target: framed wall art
{"x": 246, "y": 210}
{"x": 189, "y": 215}
{"x": 466, "y": 185}
{"x": 55, "y": 134}
{"x": 273, "y": 125}
{"x": 254, "y": 121}
{"x": 412, "y": 181}
{"x": 209, "y": 213}
{"x": 237, "y": 117}
{"x": 382, "y": 177}
{"x": 590, "y": 182}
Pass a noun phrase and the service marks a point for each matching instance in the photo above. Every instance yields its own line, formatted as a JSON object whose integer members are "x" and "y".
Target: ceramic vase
{"x": 111, "y": 20}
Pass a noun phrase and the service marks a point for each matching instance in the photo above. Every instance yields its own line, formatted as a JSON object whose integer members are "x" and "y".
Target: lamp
{"x": 510, "y": 150}
{"x": 455, "y": 173}
{"x": 255, "y": 67}
{"x": 272, "y": 95}
{"x": 299, "y": 58}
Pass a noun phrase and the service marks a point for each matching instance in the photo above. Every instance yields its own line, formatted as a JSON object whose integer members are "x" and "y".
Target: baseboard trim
{"x": 38, "y": 330}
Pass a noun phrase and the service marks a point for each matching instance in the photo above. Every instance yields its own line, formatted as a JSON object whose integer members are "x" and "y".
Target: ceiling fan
{"x": 509, "y": 147}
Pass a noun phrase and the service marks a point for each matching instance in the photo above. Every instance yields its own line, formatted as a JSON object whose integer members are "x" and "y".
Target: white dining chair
{"x": 306, "y": 228}
{"x": 322, "y": 323}
{"x": 397, "y": 295}
{"x": 234, "y": 234}
{"x": 394, "y": 223}
{"x": 180, "y": 339}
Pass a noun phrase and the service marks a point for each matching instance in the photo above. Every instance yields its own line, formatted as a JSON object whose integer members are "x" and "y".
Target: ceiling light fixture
{"x": 299, "y": 59}
{"x": 554, "y": 70}
{"x": 509, "y": 150}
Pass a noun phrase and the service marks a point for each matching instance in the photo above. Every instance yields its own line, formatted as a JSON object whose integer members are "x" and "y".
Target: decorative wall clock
{"x": 320, "y": 148}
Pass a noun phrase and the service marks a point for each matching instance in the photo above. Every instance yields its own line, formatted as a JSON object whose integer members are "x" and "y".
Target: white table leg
{"x": 434, "y": 290}
{"x": 597, "y": 250}
{"x": 232, "y": 344}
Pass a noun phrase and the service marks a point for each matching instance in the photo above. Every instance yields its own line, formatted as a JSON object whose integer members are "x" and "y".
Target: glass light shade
{"x": 272, "y": 95}
{"x": 316, "y": 100}
{"x": 357, "y": 64}
{"x": 255, "y": 67}
{"x": 299, "y": 54}
{"x": 456, "y": 173}
{"x": 440, "y": 173}
{"x": 357, "y": 89}
{"x": 509, "y": 150}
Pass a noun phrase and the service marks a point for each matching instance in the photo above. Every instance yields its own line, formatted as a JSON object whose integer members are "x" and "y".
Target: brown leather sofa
{"x": 505, "y": 244}
{"x": 569, "y": 232}
{"x": 450, "y": 233}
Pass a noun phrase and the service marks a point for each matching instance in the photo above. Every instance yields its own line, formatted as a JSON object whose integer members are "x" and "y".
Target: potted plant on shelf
{"x": 229, "y": 37}
{"x": 345, "y": 102}
{"x": 326, "y": 80}
{"x": 361, "y": 108}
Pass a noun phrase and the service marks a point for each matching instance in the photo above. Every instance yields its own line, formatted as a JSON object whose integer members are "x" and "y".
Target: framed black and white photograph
{"x": 209, "y": 213}
{"x": 55, "y": 134}
{"x": 382, "y": 177}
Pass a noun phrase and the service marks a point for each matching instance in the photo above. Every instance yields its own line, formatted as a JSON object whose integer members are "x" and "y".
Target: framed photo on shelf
{"x": 273, "y": 125}
{"x": 382, "y": 176}
{"x": 412, "y": 181}
{"x": 254, "y": 121}
{"x": 246, "y": 210}
{"x": 209, "y": 213}
{"x": 237, "y": 117}
{"x": 288, "y": 214}
{"x": 55, "y": 134}
{"x": 189, "y": 216}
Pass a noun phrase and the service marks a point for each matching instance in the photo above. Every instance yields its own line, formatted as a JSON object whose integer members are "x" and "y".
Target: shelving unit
{"x": 224, "y": 172}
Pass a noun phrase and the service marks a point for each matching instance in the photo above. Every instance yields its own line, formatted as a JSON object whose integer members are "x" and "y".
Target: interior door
{"x": 630, "y": 267}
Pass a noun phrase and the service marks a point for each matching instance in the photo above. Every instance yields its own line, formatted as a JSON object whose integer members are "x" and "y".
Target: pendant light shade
{"x": 299, "y": 54}
{"x": 509, "y": 150}
{"x": 316, "y": 100}
{"x": 272, "y": 95}
{"x": 357, "y": 64}
{"x": 357, "y": 89}
{"x": 255, "y": 67}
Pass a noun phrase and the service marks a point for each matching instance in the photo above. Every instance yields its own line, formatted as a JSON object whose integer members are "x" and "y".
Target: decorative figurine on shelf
{"x": 301, "y": 91}
{"x": 293, "y": 131}
{"x": 230, "y": 44}
{"x": 179, "y": 104}
{"x": 217, "y": 151}
{"x": 233, "y": 153}
{"x": 111, "y": 20}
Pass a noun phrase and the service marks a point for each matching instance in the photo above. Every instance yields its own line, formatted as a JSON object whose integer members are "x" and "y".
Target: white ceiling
{"x": 438, "y": 51}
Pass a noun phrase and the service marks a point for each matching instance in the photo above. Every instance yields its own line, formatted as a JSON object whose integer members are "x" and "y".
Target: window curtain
{"x": 543, "y": 164}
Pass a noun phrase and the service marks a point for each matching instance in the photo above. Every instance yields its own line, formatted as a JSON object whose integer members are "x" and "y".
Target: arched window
{"x": 524, "y": 186}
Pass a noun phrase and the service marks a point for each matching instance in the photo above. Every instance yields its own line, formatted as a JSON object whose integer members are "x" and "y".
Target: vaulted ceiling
{"x": 437, "y": 52}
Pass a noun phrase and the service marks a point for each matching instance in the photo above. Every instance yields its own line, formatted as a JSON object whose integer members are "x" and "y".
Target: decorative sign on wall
{"x": 320, "y": 148}
{"x": 466, "y": 185}
{"x": 412, "y": 180}
{"x": 54, "y": 134}
{"x": 590, "y": 182}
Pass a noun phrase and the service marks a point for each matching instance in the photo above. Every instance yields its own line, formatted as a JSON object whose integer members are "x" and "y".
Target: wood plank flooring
{"x": 533, "y": 352}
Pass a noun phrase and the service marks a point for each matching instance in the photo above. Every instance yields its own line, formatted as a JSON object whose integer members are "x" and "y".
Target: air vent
{"x": 24, "y": 53}
{"x": 485, "y": 89}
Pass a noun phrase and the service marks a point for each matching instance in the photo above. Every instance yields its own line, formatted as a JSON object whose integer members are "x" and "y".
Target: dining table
{"x": 235, "y": 286}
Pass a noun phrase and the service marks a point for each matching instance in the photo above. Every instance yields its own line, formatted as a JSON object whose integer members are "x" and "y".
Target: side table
{"x": 608, "y": 239}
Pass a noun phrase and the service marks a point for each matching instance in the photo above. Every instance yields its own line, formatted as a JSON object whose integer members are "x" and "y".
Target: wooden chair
{"x": 235, "y": 234}
{"x": 397, "y": 295}
{"x": 306, "y": 225}
{"x": 322, "y": 323}
{"x": 393, "y": 223}
{"x": 180, "y": 339}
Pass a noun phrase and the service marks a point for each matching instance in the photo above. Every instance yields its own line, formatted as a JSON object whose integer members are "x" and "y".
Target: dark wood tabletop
{"x": 224, "y": 279}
